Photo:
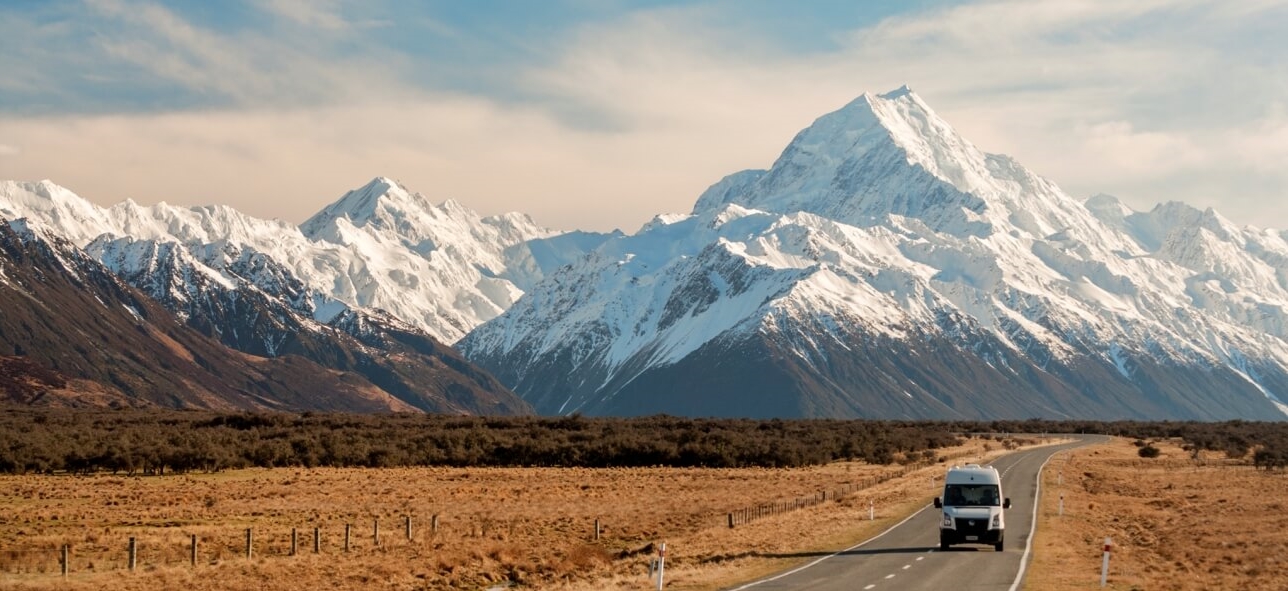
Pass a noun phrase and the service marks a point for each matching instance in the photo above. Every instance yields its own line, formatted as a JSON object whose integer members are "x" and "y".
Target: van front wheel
{"x": 999, "y": 545}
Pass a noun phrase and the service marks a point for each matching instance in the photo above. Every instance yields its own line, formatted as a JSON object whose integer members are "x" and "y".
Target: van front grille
{"x": 972, "y": 527}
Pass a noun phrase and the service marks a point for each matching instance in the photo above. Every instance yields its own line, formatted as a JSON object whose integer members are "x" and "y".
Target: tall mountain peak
{"x": 890, "y": 154}
{"x": 377, "y": 202}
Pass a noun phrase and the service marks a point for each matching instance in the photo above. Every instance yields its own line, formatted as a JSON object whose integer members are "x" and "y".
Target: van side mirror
{"x": 1007, "y": 503}
{"x": 938, "y": 503}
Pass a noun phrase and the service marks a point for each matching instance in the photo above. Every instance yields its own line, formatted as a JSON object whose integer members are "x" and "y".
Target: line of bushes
{"x": 155, "y": 442}
{"x": 160, "y": 441}
{"x": 1267, "y": 440}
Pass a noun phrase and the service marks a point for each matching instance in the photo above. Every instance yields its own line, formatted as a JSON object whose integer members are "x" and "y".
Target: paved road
{"x": 907, "y": 557}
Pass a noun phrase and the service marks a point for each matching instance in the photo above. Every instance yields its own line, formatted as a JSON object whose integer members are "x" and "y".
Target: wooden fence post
{"x": 347, "y": 527}
{"x": 596, "y": 530}
{"x": 294, "y": 541}
{"x": 250, "y": 543}
{"x": 408, "y": 519}
{"x": 66, "y": 559}
{"x": 317, "y": 539}
{"x": 376, "y": 531}
{"x": 731, "y": 521}
{"x": 192, "y": 550}
{"x": 134, "y": 554}
{"x": 433, "y": 524}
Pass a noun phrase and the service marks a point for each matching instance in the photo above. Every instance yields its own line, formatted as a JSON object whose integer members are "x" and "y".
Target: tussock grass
{"x": 531, "y": 527}
{"x": 1181, "y": 521}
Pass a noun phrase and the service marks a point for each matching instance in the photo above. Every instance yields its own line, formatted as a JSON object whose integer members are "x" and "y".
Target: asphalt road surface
{"x": 907, "y": 556}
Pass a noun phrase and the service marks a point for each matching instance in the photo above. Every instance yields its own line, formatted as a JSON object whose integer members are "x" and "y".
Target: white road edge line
{"x": 834, "y": 555}
{"x": 1033, "y": 527}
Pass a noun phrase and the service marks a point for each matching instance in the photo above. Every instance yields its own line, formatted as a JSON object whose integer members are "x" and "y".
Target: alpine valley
{"x": 883, "y": 267}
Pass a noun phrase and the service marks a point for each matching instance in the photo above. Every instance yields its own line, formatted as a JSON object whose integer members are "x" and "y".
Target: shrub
{"x": 1148, "y": 451}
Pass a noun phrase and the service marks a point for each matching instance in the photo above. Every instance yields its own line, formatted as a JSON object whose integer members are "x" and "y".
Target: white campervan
{"x": 972, "y": 507}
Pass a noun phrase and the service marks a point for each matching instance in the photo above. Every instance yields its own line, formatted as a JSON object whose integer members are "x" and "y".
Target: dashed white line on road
{"x": 907, "y": 566}
{"x": 921, "y": 558}
{"x": 890, "y": 576}
{"x": 869, "y": 587}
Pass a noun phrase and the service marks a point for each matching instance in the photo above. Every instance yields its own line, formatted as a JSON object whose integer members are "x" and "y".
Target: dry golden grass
{"x": 1177, "y": 524}
{"x": 532, "y": 527}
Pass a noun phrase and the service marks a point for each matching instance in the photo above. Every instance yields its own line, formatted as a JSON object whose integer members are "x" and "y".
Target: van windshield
{"x": 971, "y": 495}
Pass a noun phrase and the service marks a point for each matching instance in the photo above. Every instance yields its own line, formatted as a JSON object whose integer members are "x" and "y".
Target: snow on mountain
{"x": 261, "y": 287}
{"x": 441, "y": 268}
{"x": 880, "y": 226}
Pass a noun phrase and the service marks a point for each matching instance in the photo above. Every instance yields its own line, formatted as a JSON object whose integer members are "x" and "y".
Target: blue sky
{"x": 599, "y": 114}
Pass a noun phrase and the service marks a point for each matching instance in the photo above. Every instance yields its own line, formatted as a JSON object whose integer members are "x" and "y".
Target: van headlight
{"x": 997, "y": 521}
{"x": 948, "y": 520}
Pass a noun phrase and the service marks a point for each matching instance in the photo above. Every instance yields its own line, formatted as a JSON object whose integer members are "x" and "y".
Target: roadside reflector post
{"x": 133, "y": 554}
{"x": 250, "y": 539}
{"x": 1104, "y": 566}
{"x": 1061, "y": 514}
{"x": 872, "y": 510}
{"x": 375, "y": 533}
{"x": 1059, "y": 478}
{"x": 661, "y": 565}
{"x": 596, "y": 530}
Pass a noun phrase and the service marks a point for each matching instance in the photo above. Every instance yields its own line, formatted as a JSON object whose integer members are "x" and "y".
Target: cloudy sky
{"x": 599, "y": 114}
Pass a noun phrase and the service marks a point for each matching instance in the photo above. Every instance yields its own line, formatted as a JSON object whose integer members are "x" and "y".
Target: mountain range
{"x": 883, "y": 266}
{"x": 74, "y": 334}
{"x": 886, "y": 267}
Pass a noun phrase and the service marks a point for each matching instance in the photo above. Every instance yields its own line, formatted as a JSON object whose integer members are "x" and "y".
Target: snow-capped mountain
{"x": 885, "y": 266}
{"x": 441, "y": 268}
{"x": 74, "y": 334}
{"x": 379, "y": 277}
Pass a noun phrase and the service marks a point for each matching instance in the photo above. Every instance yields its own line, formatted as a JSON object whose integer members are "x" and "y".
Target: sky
{"x": 600, "y": 114}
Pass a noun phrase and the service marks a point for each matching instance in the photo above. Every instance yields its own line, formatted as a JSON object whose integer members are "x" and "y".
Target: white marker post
{"x": 1061, "y": 504}
{"x": 872, "y": 510}
{"x": 661, "y": 565}
{"x": 1059, "y": 478}
{"x": 1104, "y": 566}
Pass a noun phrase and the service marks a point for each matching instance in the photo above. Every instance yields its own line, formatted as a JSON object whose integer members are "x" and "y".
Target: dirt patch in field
{"x": 1177, "y": 523}
{"x": 530, "y": 528}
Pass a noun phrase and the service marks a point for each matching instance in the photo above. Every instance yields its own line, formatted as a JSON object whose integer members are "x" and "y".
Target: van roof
{"x": 972, "y": 473}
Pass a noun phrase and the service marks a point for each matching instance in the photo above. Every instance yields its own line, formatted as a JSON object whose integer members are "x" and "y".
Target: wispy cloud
{"x": 606, "y": 123}
{"x": 1135, "y": 98}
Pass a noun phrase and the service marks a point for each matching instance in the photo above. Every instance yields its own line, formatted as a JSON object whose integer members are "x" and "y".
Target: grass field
{"x": 532, "y": 527}
{"x": 1177, "y": 524}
